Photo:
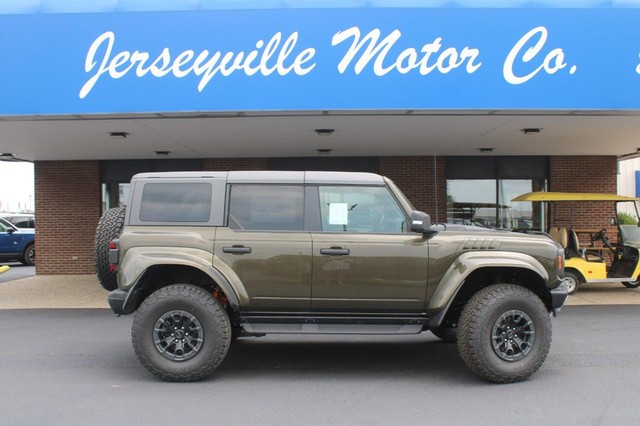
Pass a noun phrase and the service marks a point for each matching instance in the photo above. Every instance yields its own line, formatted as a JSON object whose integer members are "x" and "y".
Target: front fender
{"x": 138, "y": 260}
{"x": 468, "y": 262}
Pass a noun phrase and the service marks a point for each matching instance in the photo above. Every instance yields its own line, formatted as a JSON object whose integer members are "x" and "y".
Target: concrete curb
{"x": 84, "y": 291}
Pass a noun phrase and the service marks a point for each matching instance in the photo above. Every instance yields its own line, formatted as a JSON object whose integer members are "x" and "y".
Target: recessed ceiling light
{"x": 119, "y": 135}
{"x": 324, "y": 132}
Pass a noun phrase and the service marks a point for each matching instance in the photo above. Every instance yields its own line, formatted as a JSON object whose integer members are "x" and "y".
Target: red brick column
{"x": 67, "y": 205}
{"x": 415, "y": 176}
{"x": 584, "y": 174}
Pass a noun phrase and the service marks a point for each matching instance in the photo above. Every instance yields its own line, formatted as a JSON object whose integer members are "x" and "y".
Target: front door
{"x": 364, "y": 259}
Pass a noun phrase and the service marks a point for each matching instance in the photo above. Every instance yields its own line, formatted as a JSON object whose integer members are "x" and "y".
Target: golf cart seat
{"x": 560, "y": 235}
{"x": 573, "y": 249}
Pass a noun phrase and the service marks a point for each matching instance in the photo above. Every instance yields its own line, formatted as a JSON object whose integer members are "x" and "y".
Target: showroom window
{"x": 480, "y": 190}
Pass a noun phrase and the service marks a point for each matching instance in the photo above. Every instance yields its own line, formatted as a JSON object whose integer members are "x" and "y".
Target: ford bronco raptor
{"x": 203, "y": 258}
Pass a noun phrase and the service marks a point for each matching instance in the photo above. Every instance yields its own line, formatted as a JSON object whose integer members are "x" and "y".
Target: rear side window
{"x": 266, "y": 207}
{"x": 176, "y": 202}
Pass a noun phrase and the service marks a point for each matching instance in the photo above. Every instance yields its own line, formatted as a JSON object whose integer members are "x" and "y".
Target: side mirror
{"x": 421, "y": 223}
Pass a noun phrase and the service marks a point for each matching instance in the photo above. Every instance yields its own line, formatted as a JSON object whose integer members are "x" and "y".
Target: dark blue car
{"x": 17, "y": 244}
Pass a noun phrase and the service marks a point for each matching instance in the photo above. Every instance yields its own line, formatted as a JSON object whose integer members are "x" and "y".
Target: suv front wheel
{"x": 504, "y": 333}
{"x": 181, "y": 333}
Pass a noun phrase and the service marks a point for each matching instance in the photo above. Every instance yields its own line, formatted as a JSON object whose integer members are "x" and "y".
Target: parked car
{"x": 204, "y": 258}
{"x": 17, "y": 244}
{"x": 20, "y": 220}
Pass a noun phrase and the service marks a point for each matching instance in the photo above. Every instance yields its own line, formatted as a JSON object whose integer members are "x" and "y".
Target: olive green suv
{"x": 203, "y": 258}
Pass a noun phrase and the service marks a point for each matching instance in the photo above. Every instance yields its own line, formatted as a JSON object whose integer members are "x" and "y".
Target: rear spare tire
{"x": 109, "y": 228}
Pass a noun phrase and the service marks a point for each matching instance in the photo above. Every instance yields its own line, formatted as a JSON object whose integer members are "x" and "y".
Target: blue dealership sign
{"x": 320, "y": 59}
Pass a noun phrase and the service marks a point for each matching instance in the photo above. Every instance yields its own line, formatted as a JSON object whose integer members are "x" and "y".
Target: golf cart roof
{"x": 572, "y": 196}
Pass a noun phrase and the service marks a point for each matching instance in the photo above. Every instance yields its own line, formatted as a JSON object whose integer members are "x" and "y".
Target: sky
{"x": 16, "y": 186}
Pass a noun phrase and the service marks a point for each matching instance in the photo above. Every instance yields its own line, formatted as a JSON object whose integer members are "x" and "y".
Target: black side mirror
{"x": 421, "y": 223}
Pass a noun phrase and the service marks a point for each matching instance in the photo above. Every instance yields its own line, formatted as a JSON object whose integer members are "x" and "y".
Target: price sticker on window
{"x": 338, "y": 213}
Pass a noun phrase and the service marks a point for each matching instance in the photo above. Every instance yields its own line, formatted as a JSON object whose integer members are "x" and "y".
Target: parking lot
{"x": 75, "y": 364}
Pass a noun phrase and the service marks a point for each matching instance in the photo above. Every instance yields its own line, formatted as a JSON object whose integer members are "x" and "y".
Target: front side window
{"x": 176, "y": 202}
{"x": 266, "y": 207}
{"x": 360, "y": 209}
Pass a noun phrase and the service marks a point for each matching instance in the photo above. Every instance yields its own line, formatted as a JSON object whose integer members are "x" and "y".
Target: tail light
{"x": 114, "y": 255}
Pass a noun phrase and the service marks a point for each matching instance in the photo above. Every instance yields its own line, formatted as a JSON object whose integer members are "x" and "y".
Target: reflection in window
{"x": 487, "y": 203}
{"x": 176, "y": 202}
{"x": 266, "y": 207}
{"x": 360, "y": 209}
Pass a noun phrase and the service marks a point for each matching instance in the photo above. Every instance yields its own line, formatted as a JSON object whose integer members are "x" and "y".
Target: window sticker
{"x": 338, "y": 213}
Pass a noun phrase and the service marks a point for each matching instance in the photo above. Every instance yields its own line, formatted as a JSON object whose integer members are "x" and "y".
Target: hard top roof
{"x": 274, "y": 176}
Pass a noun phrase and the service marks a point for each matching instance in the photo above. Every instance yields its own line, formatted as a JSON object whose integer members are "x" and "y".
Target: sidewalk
{"x": 53, "y": 291}
{"x": 84, "y": 291}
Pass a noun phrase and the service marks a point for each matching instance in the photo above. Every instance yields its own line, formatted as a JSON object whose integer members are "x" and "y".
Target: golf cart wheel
{"x": 504, "y": 333}
{"x": 571, "y": 281}
{"x": 631, "y": 284}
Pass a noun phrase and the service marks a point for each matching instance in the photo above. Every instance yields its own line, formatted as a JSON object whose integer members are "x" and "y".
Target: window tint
{"x": 176, "y": 202}
{"x": 266, "y": 207}
{"x": 360, "y": 209}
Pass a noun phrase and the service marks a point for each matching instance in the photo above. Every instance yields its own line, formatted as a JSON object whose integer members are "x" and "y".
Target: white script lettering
{"x": 277, "y": 57}
{"x": 370, "y": 48}
{"x": 552, "y": 62}
{"x": 638, "y": 67}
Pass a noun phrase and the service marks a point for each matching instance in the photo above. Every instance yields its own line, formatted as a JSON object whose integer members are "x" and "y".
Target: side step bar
{"x": 333, "y": 324}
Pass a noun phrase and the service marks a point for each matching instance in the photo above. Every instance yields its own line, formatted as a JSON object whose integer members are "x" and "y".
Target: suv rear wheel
{"x": 181, "y": 333}
{"x": 504, "y": 333}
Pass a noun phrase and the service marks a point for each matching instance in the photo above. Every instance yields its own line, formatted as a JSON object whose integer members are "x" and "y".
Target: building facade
{"x": 463, "y": 106}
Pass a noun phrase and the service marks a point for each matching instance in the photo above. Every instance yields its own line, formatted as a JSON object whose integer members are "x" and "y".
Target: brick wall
{"x": 584, "y": 174}
{"x": 415, "y": 177}
{"x": 67, "y": 197}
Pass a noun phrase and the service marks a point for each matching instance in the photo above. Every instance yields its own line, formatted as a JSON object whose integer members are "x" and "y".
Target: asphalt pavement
{"x": 84, "y": 291}
{"x": 77, "y": 367}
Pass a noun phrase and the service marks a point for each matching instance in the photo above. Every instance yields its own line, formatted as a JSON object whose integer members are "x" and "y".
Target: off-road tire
{"x": 446, "y": 334}
{"x": 193, "y": 301}
{"x": 109, "y": 228}
{"x": 487, "y": 309}
{"x": 29, "y": 256}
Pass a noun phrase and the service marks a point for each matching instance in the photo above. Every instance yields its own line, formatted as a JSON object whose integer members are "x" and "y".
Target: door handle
{"x": 236, "y": 249}
{"x": 335, "y": 251}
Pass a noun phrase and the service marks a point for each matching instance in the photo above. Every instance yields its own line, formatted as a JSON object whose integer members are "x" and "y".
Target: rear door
{"x": 266, "y": 246}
